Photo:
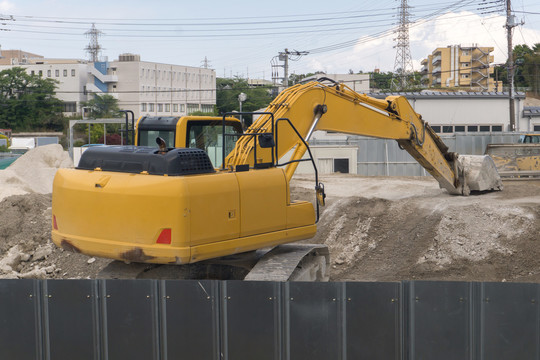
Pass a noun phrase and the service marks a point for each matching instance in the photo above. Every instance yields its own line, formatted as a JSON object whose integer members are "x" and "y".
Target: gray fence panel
{"x": 379, "y": 157}
{"x": 71, "y": 310}
{"x": 510, "y": 321}
{"x": 431, "y": 306}
{"x": 373, "y": 320}
{"x": 20, "y": 320}
{"x": 252, "y": 329}
{"x": 190, "y": 319}
{"x": 131, "y": 319}
{"x": 313, "y": 320}
{"x": 176, "y": 319}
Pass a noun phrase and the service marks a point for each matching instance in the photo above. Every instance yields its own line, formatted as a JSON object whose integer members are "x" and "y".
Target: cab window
{"x": 208, "y": 136}
{"x": 148, "y": 137}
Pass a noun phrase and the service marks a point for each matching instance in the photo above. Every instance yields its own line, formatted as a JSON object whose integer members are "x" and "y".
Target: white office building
{"x": 146, "y": 88}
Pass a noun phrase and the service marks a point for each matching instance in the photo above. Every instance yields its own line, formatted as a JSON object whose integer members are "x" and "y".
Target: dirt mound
{"x": 26, "y": 250}
{"x": 425, "y": 233}
{"x": 34, "y": 171}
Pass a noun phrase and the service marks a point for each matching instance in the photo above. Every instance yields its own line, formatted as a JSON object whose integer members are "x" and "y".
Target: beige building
{"x": 460, "y": 67}
{"x": 13, "y": 57}
{"x": 357, "y": 82}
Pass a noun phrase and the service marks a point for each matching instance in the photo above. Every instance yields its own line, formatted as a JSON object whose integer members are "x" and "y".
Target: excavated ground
{"x": 407, "y": 228}
{"x": 377, "y": 228}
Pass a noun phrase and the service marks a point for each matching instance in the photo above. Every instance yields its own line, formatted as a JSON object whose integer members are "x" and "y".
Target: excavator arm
{"x": 338, "y": 108}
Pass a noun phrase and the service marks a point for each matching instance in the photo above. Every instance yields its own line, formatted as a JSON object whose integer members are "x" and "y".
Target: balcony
{"x": 436, "y": 59}
{"x": 465, "y": 58}
{"x": 464, "y": 82}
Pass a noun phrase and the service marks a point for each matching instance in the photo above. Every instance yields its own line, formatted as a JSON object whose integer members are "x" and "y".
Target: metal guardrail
{"x": 176, "y": 319}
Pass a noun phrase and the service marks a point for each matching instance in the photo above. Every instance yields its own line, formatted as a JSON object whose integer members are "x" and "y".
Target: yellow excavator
{"x": 200, "y": 190}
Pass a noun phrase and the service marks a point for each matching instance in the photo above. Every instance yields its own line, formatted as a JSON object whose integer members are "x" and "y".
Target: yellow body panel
{"x": 120, "y": 215}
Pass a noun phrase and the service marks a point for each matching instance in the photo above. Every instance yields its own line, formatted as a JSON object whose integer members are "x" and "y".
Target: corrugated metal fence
{"x": 175, "y": 319}
{"x": 378, "y": 157}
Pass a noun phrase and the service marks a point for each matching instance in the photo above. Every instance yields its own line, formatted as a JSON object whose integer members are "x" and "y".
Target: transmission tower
{"x": 93, "y": 49}
{"x": 205, "y": 63}
{"x": 403, "y": 65}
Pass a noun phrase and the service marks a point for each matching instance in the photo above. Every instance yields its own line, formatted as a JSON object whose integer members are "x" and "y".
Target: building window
{"x": 151, "y": 107}
{"x": 65, "y": 72}
{"x": 496, "y": 128}
{"x": 447, "y": 129}
{"x": 485, "y": 128}
{"x": 32, "y": 73}
{"x": 143, "y": 107}
{"x": 341, "y": 166}
{"x": 57, "y": 73}
{"x": 142, "y": 73}
{"x": 70, "y": 106}
{"x": 175, "y": 108}
{"x": 40, "y": 72}
{"x": 167, "y": 107}
{"x": 459, "y": 128}
{"x": 436, "y": 128}
{"x": 182, "y": 108}
{"x": 472, "y": 128}
{"x": 48, "y": 73}
{"x": 72, "y": 72}
{"x": 160, "y": 107}
{"x": 207, "y": 108}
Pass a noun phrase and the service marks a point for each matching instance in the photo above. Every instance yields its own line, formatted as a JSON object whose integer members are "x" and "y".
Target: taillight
{"x": 164, "y": 237}
{"x": 55, "y": 225}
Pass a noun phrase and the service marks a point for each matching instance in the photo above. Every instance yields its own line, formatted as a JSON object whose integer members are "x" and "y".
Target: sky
{"x": 241, "y": 38}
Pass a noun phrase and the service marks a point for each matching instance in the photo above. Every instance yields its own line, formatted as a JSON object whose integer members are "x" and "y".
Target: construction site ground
{"x": 377, "y": 228}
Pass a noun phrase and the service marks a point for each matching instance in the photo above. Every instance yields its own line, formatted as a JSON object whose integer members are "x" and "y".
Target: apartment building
{"x": 460, "y": 67}
{"x": 146, "y": 88}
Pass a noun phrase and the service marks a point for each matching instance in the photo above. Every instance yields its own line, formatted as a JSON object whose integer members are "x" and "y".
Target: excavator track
{"x": 287, "y": 262}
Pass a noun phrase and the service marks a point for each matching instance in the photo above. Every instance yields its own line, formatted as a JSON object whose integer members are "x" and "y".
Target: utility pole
{"x": 510, "y": 24}
{"x": 284, "y": 56}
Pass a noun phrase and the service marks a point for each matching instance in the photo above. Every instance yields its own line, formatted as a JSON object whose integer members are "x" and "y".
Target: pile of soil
{"x": 382, "y": 229}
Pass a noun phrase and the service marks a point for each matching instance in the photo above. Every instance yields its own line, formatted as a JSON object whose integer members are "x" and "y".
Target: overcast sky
{"x": 241, "y": 37}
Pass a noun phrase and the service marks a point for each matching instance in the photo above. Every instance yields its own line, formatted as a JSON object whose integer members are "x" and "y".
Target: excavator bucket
{"x": 478, "y": 173}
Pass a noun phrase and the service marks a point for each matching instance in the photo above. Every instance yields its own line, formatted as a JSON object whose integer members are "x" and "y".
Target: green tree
{"x": 229, "y": 89}
{"x": 531, "y": 69}
{"x": 27, "y": 102}
{"x": 381, "y": 80}
{"x": 102, "y": 106}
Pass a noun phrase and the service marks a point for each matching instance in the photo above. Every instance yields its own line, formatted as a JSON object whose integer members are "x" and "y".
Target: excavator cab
{"x": 202, "y": 132}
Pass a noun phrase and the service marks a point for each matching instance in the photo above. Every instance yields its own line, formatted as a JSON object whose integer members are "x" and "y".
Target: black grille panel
{"x": 133, "y": 159}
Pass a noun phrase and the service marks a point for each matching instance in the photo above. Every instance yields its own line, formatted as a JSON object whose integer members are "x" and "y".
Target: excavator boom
{"x": 338, "y": 108}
